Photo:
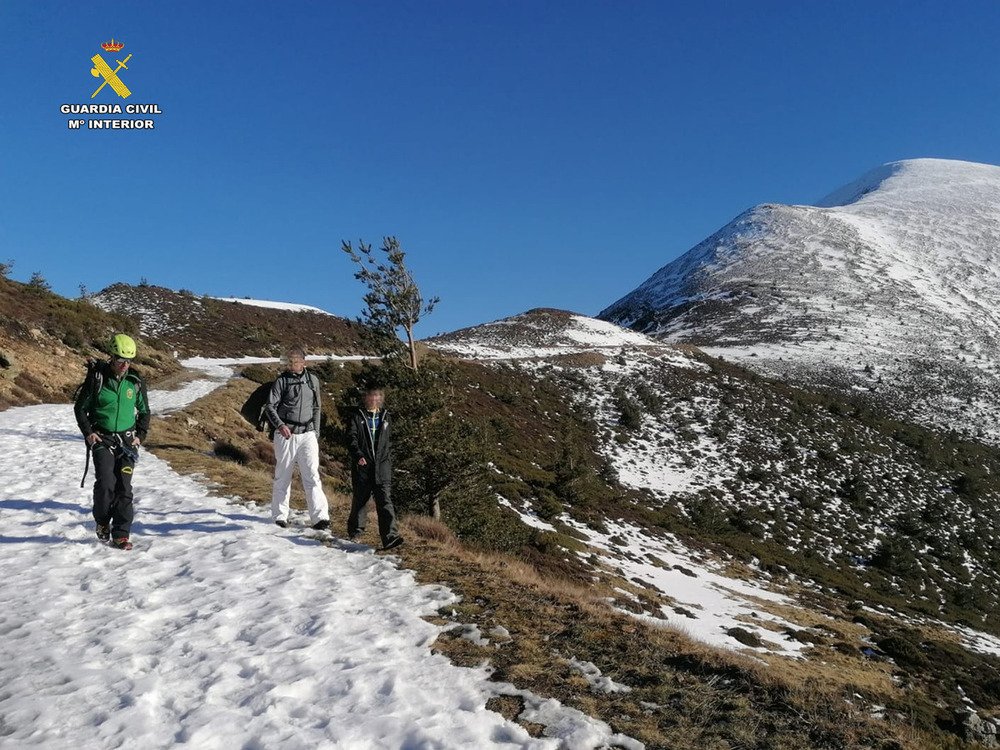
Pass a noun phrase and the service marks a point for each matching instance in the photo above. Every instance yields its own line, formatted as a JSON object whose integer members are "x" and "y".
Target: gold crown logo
{"x": 112, "y": 46}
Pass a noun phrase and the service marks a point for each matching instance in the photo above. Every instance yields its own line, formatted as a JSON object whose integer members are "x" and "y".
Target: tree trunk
{"x": 435, "y": 508}
{"x": 413, "y": 348}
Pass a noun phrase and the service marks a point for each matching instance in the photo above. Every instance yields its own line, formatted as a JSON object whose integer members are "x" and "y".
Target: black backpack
{"x": 253, "y": 408}
{"x": 94, "y": 377}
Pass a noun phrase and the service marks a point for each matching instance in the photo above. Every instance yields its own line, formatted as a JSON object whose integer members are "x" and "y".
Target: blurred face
{"x": 373, "y": 400}
{"x": 119, "y": 366}
{"x": 296, "y": 363}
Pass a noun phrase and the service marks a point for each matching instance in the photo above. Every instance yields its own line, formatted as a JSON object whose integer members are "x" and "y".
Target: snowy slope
{"x": 219, "y": 630}
{"x": 538, "y": 333}
{"x": 890, "y": 285}
{"x": 787, "y": 477}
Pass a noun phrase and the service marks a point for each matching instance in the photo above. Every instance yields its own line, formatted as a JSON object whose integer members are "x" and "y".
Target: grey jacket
{"x": 295, "y": 402}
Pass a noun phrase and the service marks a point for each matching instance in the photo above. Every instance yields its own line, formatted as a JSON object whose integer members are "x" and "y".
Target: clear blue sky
{"x": 527, "y": 153}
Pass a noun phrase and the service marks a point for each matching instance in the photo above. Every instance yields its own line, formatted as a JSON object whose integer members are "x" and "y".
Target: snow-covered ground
{"x": 219, "y": 630}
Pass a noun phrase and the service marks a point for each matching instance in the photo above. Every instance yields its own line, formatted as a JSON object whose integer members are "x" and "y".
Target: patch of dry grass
{"x": 41, "y": 369}
{"x": 683, "y": 694}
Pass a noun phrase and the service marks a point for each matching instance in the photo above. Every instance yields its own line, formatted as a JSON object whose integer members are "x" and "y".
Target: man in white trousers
{"x": 293, "y": 409}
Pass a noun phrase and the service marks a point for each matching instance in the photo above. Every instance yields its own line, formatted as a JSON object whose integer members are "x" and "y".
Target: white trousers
{"x": 302, "y": 450}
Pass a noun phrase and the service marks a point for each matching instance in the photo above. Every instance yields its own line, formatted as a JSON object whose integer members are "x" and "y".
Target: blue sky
{"x": 525, "y": 153}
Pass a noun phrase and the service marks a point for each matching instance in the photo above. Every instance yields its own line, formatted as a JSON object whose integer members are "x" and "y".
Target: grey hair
{"x": 295, "y": 351}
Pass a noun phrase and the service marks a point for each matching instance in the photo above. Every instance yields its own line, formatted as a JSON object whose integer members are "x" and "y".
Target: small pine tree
{"x": 630, "y": 416}
{"x": 6, "y": 268}
{"x": 38, "y": 284}
{"x": 393, "y": 300}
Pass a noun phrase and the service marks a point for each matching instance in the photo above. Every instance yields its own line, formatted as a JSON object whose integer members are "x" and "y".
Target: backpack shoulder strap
{"x": 313, "y": 382}
{"x": 92, "y": 382}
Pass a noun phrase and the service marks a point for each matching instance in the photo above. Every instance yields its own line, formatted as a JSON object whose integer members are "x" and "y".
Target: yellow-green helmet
{"x": 123, "y": 346}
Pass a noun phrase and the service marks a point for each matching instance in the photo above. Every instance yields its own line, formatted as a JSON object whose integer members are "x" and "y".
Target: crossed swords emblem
{"x": 101, "y": 68}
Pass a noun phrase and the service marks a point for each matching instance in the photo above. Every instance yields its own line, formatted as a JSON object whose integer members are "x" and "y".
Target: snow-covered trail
{"x": 218, "y": 630}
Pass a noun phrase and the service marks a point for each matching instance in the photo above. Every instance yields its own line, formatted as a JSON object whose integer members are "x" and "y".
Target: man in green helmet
{"x": 112, "y": 411}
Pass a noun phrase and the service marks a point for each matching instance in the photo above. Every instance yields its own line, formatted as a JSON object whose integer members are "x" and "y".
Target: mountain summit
{"x": 888, "y": 286}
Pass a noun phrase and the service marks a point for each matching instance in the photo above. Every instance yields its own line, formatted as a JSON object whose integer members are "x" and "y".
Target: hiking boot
{"x": 103, "y": 533}
{"x": 393, "y": 543}
{"x": 321, "y": 525}
{"x": 122, "y": 543}
{"x": 282, "y": 524}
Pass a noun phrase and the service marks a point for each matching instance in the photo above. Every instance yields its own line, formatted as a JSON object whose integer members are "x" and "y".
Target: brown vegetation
{"x": 46, "y": 339}
{"x": 194, "y": 325}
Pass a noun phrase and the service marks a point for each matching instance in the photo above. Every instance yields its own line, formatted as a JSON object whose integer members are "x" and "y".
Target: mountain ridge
{"x": 211, "y": 326}
{"x": 890, "y": 288}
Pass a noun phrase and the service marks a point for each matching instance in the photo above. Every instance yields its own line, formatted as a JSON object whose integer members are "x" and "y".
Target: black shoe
{"x": 103, "y": 533}
{"x": 354, "y": 536}
{"x": 282, "y": 524}
{"x": 393, "y": 543}
{"x": 122, "y": 543}
{"x": 321, "y": 525}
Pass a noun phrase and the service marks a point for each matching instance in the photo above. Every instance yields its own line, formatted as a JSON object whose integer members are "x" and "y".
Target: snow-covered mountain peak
{"x": 891, "y": 285}
{"x": 927, "y": 182}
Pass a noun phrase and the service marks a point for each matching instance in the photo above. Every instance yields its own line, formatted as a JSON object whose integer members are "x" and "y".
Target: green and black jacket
{"x": 108, "y": 405}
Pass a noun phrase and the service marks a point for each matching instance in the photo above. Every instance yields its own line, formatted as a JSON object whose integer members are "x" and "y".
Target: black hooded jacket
{"x": 359, "y": 442}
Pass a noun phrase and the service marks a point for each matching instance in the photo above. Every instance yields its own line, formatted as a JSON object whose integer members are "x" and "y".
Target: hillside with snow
{"x": 196, "y": 325}
{"x": 822, "y": 500}
{"x": 272, "y": 305}
{"x": 538, "y": 333}
{"x": 888, "y": 287}
{"x": 807, "y": 474}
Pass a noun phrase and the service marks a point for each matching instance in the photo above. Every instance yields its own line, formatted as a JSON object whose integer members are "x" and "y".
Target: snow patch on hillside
{"x": 293, "y": 307}
{"x": 539, "y": 334}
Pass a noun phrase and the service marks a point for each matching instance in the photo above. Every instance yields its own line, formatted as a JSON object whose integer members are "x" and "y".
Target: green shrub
{"x": 229, "y": 452}
{"x": 904, "y": 650}
{"x": 259, "y": 373}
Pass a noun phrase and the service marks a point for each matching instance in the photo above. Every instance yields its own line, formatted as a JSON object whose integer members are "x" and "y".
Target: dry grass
{"x": 41, "y": 369}
{"x": 45, "y": 340}
{"x": 684, "y": 695}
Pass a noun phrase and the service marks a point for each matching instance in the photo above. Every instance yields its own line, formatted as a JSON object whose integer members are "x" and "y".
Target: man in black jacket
{"x": 369, "y": 438}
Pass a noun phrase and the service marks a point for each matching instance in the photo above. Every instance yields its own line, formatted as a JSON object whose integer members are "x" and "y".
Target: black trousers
{"x": 358, "y": 519}
{"x": 113, "y": 490}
